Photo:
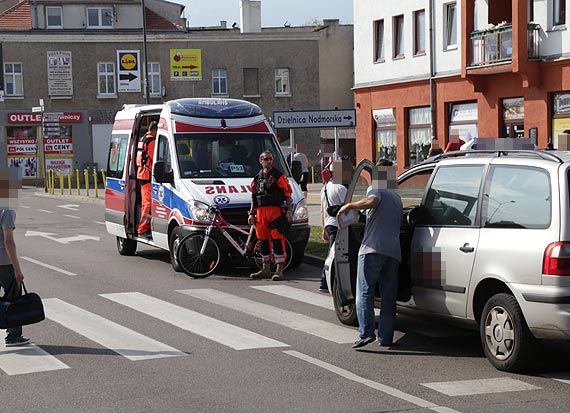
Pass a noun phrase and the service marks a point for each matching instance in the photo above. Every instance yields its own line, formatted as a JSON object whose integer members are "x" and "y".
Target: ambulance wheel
{"x": 297, "y": 259}
{"x": 173, "y": 245}
{"x": 126, "y": 246}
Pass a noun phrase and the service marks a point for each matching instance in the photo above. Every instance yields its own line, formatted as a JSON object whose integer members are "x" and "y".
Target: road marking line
{"x": 25, "y": 206}
{"x": 28, "y": 359}
{"x": 481, "y": 386}
{"x": 372, "y": 384}
{"x": 316, "y": 299}
{"x": 71, "y": 216}
{"x": 202, "y": 325}
{"x": 46, "y": 211}
{"x": 115, "y": 337}
{"x": 99, "y": 222}
{"x": 561, "y": 377}
{"x": 295, "y": 321}
{"x": 51, "y": 267}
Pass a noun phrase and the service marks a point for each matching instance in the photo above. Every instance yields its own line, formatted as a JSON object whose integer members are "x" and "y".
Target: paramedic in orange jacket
{"x": 145, "y": 153}
{"x": 270, "y": 188}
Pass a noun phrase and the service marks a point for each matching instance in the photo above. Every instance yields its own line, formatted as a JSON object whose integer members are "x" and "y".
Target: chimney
{"x": 223, "y": 24}
{"x": 250, "y": 12}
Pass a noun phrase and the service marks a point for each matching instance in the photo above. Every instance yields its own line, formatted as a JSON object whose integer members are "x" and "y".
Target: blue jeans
{"x": 376, "y": 269}
{"x": 11, "y": 290}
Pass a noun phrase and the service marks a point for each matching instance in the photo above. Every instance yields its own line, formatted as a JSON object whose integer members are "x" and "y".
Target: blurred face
{"x": 385, "y": 177}
{"x": 266, "y": 160}
{"x": 10, "y": 185}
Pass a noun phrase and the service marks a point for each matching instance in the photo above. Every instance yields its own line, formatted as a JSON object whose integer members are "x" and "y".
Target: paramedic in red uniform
{"x": 270, "y": 188}
{"x": 145, "y": 152}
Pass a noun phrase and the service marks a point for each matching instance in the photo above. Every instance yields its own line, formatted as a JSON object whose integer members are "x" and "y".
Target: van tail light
{"x": 557, "y": 259}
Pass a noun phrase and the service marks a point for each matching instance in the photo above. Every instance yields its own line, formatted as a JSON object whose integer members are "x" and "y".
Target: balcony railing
{"x": 496, "y": 45}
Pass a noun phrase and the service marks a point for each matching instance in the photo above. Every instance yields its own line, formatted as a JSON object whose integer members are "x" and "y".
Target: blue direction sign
{"x": 297, "y": 119}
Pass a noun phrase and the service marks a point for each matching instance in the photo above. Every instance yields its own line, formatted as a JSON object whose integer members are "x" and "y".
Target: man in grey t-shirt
{"x": 379, "y": 256}
{"x": 10, "y": 272}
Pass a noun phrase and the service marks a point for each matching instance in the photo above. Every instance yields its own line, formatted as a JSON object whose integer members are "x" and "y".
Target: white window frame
{"x": 106, "y": 74}
{"x": 559, "y": 20}
{"x": 100, "y": 11}
{"x": 17, "y": 79}
{"x": 52, "y": 8}
{"x": 154, "y": 79}
{"x": 219, "y": 74}
{"x": 282, "y": 82}
{"x": 419, "y": 32}
{"x": 449, "y": 26}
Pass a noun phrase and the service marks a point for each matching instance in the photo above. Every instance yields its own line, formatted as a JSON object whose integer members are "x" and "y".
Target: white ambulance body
{"x": 206, "y": 153}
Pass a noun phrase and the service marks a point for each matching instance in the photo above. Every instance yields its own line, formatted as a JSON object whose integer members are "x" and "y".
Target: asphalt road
{"x": 130, "y": 334}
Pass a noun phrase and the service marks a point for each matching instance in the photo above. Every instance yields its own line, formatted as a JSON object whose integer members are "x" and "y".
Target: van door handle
{"x": 466, "y": 248}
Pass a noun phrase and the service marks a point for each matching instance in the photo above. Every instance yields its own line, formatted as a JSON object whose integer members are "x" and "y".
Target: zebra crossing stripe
{"x": 202, "y": 325}
{"x": 28, "y": 359}
{"x": 295, "y": 321}
{"x": 109, "y": 334}
{"x": 316, "y": 299}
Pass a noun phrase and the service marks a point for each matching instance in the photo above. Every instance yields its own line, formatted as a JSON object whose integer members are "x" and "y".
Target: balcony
{"x": 494, "y": 45}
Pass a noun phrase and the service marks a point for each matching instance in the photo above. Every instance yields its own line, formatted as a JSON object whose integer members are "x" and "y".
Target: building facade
{"x": 81, "y": 61}
{"x": 455, "y": 70}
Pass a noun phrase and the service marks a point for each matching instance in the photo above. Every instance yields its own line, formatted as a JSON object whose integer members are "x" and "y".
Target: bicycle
{"x": 199, "y": 253}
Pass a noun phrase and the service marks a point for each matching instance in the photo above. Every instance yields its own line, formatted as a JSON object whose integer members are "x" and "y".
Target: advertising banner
{"x": 21, "y": 148}
{"x": 185, "y": 64}
{"x": 60, "y": 74}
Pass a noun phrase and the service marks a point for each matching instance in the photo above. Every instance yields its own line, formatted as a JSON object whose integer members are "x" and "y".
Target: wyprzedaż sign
{"x": 297, "y": 119}
{"x": 129, "y": 71}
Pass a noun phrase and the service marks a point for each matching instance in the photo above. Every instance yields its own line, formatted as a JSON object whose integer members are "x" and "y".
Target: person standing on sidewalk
{"x": 331, "y": 194}
{"x": 379, "y": 256}
{"x": 270, "y": 189}
{"x": 145, "y": 155}
{"x": 10, "y": 272}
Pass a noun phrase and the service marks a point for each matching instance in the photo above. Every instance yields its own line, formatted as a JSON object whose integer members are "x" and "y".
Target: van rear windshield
{"x": 212, "y": 155}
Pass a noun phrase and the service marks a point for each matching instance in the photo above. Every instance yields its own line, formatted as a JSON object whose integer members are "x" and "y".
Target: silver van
{"x": 485, "y": 241}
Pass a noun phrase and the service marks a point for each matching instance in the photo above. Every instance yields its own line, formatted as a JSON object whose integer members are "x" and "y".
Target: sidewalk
{"x": 314, "y": 204}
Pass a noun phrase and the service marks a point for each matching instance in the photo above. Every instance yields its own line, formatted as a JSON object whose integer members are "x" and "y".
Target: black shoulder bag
{"x": 332, "y": 210}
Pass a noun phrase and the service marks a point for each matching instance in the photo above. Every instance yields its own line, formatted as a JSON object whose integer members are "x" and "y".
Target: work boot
{"x": 264, "y": 272}
{"x": 278, "y": 273}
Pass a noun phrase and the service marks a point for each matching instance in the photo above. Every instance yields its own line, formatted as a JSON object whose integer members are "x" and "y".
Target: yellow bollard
{"x": 61, "y": 181}
{"x": 95, "y": 184}
{"x": 46, "y": 180}
{"x": 52, "y": 182}
{"x": 104, "y": 178}
{"x": 69, "y": 180}
{"x": 313, "y": 174}
{"x": 86, "y": 175}
{"x": 78, "y": 182}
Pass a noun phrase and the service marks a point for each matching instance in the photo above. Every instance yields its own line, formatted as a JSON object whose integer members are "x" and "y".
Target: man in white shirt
{"x": 331, "y": 194}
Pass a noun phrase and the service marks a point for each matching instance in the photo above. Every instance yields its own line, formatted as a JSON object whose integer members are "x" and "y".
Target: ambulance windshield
{"x": 212, "y": 155}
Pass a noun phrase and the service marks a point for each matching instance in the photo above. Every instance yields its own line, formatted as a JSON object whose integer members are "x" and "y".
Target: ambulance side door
{"x": 115, "y": 185}
{"x": 161, "y": 195}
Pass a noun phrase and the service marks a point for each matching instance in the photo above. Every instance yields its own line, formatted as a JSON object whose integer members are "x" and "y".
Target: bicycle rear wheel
{"x": 192, "y": 262}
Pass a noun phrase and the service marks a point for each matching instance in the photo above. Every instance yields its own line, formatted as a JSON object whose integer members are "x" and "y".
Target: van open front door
{"x": 132, "y": 194}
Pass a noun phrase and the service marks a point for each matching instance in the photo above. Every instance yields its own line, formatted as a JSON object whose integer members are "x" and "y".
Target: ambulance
{"x": 206, "y": 154}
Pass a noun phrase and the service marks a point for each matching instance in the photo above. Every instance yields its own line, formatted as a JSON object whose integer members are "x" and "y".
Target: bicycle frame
{"x": 221, "y": 224}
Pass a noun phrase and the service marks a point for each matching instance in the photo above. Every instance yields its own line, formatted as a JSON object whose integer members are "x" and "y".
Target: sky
{"x": 274, "y": 13}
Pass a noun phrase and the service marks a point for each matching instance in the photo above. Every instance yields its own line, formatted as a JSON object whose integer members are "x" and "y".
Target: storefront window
{"x": 560, "y": 115}
{"x": 462, "y": 124}
{"x": 385, "y": 135}
{"x": 419, "y": 134}
{"x": 513, "y": 118}
{"x": 21, "y": 149}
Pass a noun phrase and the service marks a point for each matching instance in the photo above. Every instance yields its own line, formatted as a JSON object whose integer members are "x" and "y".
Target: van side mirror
{"x": 163, "y": 173}
{"x": 296, "y": 170}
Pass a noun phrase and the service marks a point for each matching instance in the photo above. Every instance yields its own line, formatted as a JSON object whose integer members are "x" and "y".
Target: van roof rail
{"x": 549, "y": 156}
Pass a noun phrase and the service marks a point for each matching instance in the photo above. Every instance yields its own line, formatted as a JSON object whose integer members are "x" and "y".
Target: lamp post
{"x": 145, "y": 68}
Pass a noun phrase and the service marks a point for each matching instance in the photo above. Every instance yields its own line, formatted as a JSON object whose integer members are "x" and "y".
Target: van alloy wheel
{"x": 505, "y": 336}
{"x": 499, "y": 333}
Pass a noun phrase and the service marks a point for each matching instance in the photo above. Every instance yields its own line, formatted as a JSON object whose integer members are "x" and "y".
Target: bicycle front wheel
{"x": 192, "y": 262}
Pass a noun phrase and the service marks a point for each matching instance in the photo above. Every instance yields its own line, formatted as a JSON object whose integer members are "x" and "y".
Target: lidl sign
{"x": 129, "y": 73}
